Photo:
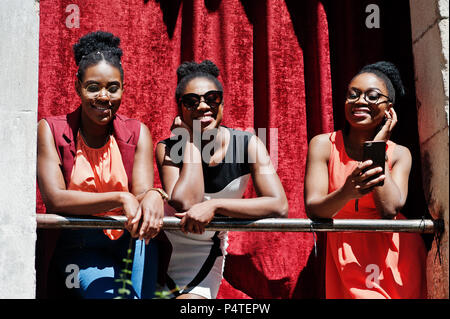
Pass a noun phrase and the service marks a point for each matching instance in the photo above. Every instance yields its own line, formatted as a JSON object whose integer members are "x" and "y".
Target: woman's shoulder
{"x": 128, "y": 120}
{"x": 60, "y": 118}
{"x": 398, "y": 152}
{"x": 164, "y": 147}
{"x": 164, "y": 153}
{"x": 320, "y": 146}
{"x": 239, "y": 132}
{"x": 55, "y": 118}
{"x": 322, "y": 140}
{"x": 243, "y": 138}
{"x": 169, "y": 142}
{"x": 62, "y": 124}
{"x": 127, "y": 129}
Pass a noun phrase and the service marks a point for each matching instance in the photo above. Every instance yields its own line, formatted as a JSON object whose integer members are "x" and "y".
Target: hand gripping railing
{"x": 46, "y": 221}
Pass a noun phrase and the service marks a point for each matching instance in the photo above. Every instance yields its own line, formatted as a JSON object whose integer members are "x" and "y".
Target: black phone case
{"x": 375, "y": 151}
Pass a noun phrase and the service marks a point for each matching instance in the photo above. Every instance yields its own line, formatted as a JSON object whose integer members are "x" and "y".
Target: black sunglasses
{"x": 191, "y": 100}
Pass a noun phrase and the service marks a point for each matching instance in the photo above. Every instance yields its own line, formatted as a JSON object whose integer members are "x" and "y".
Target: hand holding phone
{"x": 375, "y": 151}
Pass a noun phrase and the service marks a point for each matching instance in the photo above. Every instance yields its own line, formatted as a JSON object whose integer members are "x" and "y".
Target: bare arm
{"x": 151, "y": 204}
{"x": 143, "y": 176}
{"x": 391, "y": 197}
{"x": 189, "y": 186}
{"x": 182, "y": 180}
{"x": 271, "y": 200}
{"x": 318, "y": 203}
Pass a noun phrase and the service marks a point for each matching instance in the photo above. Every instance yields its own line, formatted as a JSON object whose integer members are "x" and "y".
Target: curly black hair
{"x": 190, "y": 70}
{"x": 390, "y": 75}
{"x": 95, "y": 47}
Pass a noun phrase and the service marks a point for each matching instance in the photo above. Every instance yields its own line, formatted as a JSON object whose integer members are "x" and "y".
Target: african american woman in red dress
{"x": 339, "y": 184}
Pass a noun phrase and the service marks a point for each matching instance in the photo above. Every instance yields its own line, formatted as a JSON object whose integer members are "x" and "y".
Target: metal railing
{"x": 427, "y": 226}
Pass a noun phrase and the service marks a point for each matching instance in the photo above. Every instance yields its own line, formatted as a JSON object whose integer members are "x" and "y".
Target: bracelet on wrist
{"x": 161, "y": 192}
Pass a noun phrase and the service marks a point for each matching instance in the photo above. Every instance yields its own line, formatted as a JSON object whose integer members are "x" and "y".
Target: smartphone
{"x": 375, "y": 151}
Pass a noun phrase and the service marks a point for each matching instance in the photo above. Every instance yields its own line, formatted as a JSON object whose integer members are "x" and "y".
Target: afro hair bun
{"x": 98, "y": 41}
{"x": 391, "y": 72}
{"x": 193, "y": 68}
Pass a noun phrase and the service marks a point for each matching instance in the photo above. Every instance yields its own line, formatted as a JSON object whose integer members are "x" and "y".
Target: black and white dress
{"x": 197, "y": 261}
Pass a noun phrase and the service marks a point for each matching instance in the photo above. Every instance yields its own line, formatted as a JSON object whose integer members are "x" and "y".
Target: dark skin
{"x": 364, "y": 120}
{"x": 184, "y": 183}
{"x": 101, "y": 92}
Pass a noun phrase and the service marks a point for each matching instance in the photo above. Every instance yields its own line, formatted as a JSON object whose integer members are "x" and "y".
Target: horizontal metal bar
{"x": 46, "y": 221}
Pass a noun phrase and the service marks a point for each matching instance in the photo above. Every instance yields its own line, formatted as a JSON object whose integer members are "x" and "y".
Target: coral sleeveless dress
{"x": 365, "y": 264}
{"x": 100, "y": 170}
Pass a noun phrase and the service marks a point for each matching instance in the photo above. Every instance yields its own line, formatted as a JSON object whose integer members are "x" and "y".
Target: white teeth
{"x": 361, "y": 112}
{"x": 100, "y": 108}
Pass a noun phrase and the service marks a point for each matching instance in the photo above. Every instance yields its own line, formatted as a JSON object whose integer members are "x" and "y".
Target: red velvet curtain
{"x": 277, "y": 71}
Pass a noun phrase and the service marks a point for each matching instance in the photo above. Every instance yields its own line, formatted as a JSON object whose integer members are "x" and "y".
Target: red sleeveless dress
{"x": 365, "y": 264}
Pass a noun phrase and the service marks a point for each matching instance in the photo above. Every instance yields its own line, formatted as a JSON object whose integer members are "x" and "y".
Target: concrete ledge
{"x": 19, "y": 53}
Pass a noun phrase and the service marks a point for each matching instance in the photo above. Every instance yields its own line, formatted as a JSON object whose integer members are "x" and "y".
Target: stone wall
{"x": 19, "y": 50}
{"x": 429, "y": 21}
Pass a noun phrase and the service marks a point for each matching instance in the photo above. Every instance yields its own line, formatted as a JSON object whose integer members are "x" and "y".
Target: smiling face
{"x": 100, "y": 92}
{"x": 208, "y": 117}
{"x": 361, "y": 113}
